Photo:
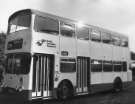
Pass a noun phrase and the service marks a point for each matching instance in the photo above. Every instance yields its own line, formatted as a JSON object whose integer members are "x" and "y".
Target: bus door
{"x": 43, "y": 72}
{"x": 83, "y": 74}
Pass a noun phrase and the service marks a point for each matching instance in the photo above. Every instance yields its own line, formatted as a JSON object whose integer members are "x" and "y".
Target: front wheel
{"x": 65, "y": 90}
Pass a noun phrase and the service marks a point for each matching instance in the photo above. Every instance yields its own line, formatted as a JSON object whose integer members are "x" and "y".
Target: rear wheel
{"x": 118, "y": 85}
{"x": 65, "y": 90}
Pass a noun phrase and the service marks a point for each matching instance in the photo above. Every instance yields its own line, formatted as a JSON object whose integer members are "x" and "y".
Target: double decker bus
{"x": 48, "y": 56}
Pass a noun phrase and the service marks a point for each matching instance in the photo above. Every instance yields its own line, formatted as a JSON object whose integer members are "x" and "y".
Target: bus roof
{"x": 44, "y": 14}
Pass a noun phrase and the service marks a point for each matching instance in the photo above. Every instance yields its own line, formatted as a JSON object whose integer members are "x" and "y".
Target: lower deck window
{"x": 124, "y": 64}
{"x": 96, "y": 65}
{"x": 107, "y": 66}
{"x": 117, "y": 66}
{"x": 67, "y": 65}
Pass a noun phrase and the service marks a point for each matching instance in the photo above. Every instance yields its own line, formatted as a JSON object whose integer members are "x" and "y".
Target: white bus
{"x": 48, "y": 56}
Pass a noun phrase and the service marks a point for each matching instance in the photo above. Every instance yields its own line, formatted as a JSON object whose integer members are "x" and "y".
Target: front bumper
{"x": 11, "y": 95}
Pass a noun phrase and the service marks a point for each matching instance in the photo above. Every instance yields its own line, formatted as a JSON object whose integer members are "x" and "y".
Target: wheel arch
{"x": 118, "y": 78}
{"x": 70, "y": 87}
{"x": 117, "y": 84}
{"x": 66, "y": 80}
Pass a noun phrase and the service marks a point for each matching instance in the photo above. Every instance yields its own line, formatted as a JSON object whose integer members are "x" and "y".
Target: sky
{"x": 115, "y": 15}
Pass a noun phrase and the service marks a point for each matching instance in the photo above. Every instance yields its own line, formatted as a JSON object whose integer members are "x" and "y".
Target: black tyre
{"x": 65, "y": 90}
{"x": 118, "y": 85}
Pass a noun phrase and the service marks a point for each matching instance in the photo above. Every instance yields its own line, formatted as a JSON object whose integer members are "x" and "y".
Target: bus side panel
{"x": 108, "y": 77}
{"x": 45, "y": 43}
{"x": 95, "y": 50}
{"x": 96, "y": 53}
{"x": 96, "y": 77}
{"x": 68, "y": 45}
{"x": 83, "y": 48}
{"x": 107, "y": 50}
{"x": 25, "y": 36}
{"x": 68, "y": 50}
{"x": 117, "y": 53}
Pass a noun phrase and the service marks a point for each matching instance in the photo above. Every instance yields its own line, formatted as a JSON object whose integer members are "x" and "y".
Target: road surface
{"x": 125, "y": 97}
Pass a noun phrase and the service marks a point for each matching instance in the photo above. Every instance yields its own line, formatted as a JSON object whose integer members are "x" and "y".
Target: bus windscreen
{"x": 18, "y": 63}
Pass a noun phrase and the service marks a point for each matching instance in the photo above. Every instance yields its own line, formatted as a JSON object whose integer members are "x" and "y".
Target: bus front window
{"x": 18, "y": 63}
{"x": 19, "y": 22}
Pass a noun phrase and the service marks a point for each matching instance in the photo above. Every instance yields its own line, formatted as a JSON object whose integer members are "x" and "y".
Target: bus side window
{"x": 106, "y": 38}
{"x": 96, "y": 65}
{"x": 107, "y": 66}
{"x": 116, "y": 40}
{"x": 82, "y": 33}
{"x": 67, "y": 65}
{"x": 124, "y": 43}
{"x": 117, "y": 66}
{"x": 95, "y": 35}
{"x": 46, "y": 25}
{"x": 124, "y": 64}
{"x": 67, "y": 29}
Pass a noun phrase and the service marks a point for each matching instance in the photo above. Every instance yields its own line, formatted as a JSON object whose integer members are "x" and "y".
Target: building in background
{"x": 133, "y": 64}
{"x": 2, "y": 59}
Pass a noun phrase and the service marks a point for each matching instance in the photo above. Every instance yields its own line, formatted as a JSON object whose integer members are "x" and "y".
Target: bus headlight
{"x": 56, "y": 76}
{"x": 56, "y": 79}
{"x": 21, "y": 80}
{"x": 3, "y": 85}
{"x": 20, "y": 88}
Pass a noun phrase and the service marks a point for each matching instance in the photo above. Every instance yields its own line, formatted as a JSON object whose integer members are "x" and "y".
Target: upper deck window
{"x": 95, "y": 35}
{"x": 46, "y": 25}
{"x": 67, "y": 29}
{"x": 19, "y": 22}
{"x": 82, "y": 33}
{"x": 116, "y": 40}
{"x": 106, "y": 38}
{"x": 124, "y": 43}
